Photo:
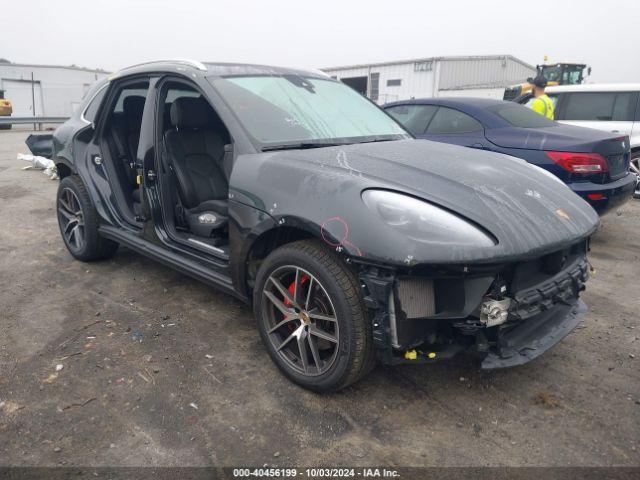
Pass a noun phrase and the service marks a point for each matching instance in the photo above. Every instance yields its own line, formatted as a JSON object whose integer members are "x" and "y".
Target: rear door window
{"x": 91, "y": 110}
{"x": 450, "y": 121}
{"x": 414, "y": 118}
{"x": 600, "y": 106}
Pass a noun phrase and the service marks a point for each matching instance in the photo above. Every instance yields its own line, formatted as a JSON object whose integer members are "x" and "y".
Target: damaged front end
{"x": 507, "y": 313}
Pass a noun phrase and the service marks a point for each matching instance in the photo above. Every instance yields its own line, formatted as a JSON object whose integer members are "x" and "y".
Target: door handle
{"x": 151, "y": 175}
{"x": 615, "y": 131}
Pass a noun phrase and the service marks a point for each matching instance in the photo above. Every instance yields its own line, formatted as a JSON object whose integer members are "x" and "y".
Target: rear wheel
{"x": 78, "y": 221}
{"x": 311, "y": 317}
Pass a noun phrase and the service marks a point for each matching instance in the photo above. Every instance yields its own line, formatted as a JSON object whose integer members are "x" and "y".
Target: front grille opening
{"x": 417, "y": 297}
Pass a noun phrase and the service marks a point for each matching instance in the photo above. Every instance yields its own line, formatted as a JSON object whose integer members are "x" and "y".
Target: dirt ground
{"x": 127, "y": 363}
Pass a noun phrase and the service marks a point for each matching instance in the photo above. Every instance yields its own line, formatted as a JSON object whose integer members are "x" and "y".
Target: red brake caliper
{"x": 292, "y": 289}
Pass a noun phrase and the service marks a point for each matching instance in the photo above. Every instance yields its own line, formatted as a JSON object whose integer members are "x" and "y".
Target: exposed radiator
{"x": 416, "y": 297}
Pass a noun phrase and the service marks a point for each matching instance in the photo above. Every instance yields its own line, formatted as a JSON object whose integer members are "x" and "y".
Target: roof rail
{"x": 192, "y": 63}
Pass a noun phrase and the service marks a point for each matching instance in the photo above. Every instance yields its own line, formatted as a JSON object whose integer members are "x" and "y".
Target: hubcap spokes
{"x": 71, "y": 219}
{"x": 301, "y": 321}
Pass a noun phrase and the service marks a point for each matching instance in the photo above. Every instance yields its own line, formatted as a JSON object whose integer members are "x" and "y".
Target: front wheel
{"x": 311, "y": 317}
{"x": 634, "y": 167}
{"x": 78, "y": 221}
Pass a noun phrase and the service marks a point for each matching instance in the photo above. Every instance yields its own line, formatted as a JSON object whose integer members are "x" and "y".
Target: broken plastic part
{"x": 411, "y": 355}
{"x": 495, "y": 312}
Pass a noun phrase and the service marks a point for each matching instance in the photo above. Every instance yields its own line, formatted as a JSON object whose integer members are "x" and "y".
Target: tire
{"x": 77, "y": 214}
{"x": 635, "y": 170}
{"x": 324, "y": 310}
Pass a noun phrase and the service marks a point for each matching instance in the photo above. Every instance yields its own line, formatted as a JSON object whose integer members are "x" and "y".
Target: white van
{"x": 613, "y": 107}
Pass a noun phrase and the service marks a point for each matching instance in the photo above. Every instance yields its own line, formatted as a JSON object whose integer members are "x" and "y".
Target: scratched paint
{"x": 335, "y": 233}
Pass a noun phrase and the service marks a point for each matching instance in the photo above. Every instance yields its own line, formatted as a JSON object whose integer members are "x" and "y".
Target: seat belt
{"x": 124, "y": 157}
{"x": 165, "y": 164}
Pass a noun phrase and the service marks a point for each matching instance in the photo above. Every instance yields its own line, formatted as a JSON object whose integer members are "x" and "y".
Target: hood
{"x": 566, "y": 138}
{"x": 525, "y": 208}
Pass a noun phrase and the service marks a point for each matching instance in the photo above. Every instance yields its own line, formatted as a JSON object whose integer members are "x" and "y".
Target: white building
{"x": 47, "y": 90}
{"x": 470, "y": 76}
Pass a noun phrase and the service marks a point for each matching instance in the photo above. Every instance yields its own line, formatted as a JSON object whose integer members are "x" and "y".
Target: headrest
{"x": 190, "y": 112}
{"x": 132, "y": 108}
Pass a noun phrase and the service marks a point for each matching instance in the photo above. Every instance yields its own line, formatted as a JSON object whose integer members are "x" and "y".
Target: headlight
{"x": 422, "y": 221}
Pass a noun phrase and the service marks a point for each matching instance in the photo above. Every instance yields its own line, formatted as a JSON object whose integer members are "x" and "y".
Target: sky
{"x": 321, "y": 33}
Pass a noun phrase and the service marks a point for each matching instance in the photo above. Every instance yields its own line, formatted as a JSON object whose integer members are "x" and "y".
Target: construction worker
{"x": 541, "y": 104}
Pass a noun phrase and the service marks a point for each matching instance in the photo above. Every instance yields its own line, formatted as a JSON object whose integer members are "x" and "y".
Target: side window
{"x": 91, "y": 110}
{"x": 448, "y": 120}
{"x": 173, "y": 93}
{"x": 624, "y": 107}
{"x": 600, "y": 106}
{"x": 125, "y": 121}
{"x": 129, "y": 92}
{"x": 414, "y": 118}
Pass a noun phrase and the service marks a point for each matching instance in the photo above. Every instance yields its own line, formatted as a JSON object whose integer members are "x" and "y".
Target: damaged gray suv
{"x": 353, "y": 241}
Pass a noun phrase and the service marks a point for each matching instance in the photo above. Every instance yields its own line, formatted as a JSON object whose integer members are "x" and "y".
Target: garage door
{"x": 19, "y": 92}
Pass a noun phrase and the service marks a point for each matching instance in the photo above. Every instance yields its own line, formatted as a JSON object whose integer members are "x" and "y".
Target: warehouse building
{"x": 45, "y": 90}
{"x": 470, "y": 76}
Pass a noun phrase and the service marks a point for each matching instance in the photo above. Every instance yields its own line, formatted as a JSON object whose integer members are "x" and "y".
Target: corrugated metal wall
{"x": 412, "y": 84}
{"x": 463, "y": 73}
{"x": 58, "y": 90}
{"x": 484, "y": 76}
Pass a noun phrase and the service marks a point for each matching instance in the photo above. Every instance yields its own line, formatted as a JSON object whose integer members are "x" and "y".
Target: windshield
{"x": 520, "y": 116}
{"x": 552, "y": 73}
{"x": 291, "y": 109}
{"x": 572, "y": 75}
{"x": 563, "y": 74}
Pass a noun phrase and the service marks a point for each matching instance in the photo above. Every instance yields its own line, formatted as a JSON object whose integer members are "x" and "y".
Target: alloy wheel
{"x": 635, "y": 169}
{"x": 300, "y": 320}
{"x": 71, "y": 219}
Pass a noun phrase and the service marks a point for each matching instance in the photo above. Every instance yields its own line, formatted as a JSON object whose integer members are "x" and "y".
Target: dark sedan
{"x": 594, "y": 164}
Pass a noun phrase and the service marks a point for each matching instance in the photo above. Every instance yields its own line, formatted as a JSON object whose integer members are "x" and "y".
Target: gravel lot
{"x": 160, "y": 370}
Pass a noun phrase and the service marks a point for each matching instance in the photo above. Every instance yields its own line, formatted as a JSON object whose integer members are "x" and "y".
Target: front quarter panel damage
{"x": 525, "y": 210}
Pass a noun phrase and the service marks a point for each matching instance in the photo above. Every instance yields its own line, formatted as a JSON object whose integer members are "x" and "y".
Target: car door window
{"x": 450, "y": 121}
{"x": 91, "y": 110}
{"x": 414, "y": 118}
{"x": 600, "y": 106}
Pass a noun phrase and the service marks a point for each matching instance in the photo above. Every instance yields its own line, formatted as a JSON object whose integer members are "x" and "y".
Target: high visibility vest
{"x": 544, "y": 106}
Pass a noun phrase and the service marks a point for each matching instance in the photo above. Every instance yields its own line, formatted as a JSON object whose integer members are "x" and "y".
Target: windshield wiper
{"x": 383, "y": 140}
{"x": 300, "y": 146}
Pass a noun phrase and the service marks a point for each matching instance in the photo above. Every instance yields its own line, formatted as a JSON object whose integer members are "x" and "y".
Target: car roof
{"x": 476, "y": 107}
{"x": 595, "y": 87}
{"x": 213, "y": 69}
{"x": 462, "y": 102}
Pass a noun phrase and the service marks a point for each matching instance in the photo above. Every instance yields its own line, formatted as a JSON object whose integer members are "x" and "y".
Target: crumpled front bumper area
{"x": 530, "y": 339}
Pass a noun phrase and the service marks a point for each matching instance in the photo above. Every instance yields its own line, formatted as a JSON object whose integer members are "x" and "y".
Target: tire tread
{"x": 363, "y": 356}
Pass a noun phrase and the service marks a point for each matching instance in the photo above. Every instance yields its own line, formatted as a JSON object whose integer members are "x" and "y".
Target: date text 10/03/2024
{"x": 315, "y": 473}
